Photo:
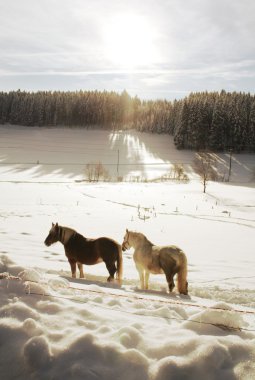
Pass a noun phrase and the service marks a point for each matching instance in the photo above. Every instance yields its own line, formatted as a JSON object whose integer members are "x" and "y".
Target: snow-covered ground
{"x": 53, "y": 327}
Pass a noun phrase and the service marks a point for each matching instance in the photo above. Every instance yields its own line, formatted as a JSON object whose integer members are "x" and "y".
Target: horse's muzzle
{"x": 47, "y": 242}
{"x": 125, "y": 246}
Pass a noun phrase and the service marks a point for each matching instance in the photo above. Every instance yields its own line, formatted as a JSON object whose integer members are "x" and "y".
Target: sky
{"x": 153, "y": 49}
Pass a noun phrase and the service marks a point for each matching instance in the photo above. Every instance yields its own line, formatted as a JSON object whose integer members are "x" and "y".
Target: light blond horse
{"x": 150, "y": 258}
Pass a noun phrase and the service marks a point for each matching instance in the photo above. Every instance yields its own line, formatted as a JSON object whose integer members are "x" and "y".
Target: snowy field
{"x": 53, "y": 327}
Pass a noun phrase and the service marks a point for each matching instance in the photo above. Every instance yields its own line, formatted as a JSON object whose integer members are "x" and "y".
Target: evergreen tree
{"x": 217, "y": 131}
{"x": 251, "y": 128}
{"x": 181, "y": 127}
{"x": 201, "y": 121}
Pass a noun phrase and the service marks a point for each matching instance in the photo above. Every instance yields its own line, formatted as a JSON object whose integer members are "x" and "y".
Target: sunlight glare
{"x": 130, "y": 41}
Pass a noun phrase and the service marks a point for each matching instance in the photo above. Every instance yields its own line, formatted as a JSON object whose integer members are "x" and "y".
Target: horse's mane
{"x": 66, "y": 233}
{"x": 141, "y": 235}
{"x": 67, "y": 228}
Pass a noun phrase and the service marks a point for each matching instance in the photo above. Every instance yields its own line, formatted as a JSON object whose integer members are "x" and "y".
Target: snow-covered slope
{"x": 62, "y": 154}
{"x": 55, "y": 327}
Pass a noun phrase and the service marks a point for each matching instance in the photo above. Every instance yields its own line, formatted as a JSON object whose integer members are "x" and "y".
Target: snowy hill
{"x": 55, "y": 327}
{"x": 62, "y": 153}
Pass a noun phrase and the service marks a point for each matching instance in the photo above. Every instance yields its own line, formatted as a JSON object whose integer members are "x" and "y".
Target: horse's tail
{"x": 182, "y": 276}
{"x": 119, "y": 264}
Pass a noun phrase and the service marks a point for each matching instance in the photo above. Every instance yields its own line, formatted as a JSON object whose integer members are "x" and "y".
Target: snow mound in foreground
{"x": 87, "y": 335}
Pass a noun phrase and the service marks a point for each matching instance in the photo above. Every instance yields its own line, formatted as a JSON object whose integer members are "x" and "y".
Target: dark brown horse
{"x": 80, "y": 250}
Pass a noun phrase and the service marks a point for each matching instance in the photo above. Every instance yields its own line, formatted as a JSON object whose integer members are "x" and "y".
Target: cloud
{"x": 201, "y": 45}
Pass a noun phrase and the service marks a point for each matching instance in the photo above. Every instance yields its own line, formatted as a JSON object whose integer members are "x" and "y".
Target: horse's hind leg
{"x": 170, "y": 281}
{"x": 111, "y": 267}
{"x": 169, "y": 268}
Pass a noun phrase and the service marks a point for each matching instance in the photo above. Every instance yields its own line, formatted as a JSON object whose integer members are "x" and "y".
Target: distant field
{"x": 56, "y": 153}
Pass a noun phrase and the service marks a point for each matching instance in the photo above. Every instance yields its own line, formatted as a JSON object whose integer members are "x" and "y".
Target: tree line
{"x": 215, "y": 121}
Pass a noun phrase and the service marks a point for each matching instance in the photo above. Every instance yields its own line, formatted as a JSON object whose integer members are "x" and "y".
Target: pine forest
{"x": 204, "y": 121}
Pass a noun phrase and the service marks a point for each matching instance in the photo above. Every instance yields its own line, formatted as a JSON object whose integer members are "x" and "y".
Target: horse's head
{"x": 125, "y": 245}
{"x": 53, "y": 236}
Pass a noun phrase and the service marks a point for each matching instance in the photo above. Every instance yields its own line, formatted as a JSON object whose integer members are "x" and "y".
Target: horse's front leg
{"x": 147, "y": 275}
{"x": 80, "y": 266}
{"x": 72, "y": 263}
{"x": 141, "y": 275}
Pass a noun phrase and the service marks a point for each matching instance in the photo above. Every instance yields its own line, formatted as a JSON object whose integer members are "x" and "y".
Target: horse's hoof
{"x": 110, "y": 279}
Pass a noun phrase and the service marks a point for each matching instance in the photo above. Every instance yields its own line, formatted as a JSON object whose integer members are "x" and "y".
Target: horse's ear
{"x": 126, "y": 230}
{"x": 56, "y": 225}
{"x": 52, "y": 224}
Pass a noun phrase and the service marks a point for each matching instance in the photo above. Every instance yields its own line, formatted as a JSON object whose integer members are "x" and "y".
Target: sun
{"x": 130, "y": 41}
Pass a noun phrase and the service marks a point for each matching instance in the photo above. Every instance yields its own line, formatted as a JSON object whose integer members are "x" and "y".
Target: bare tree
{"x": 96, "y": 172}
{"x": 205, "y": 166}
{"x": 179, "y": 174}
